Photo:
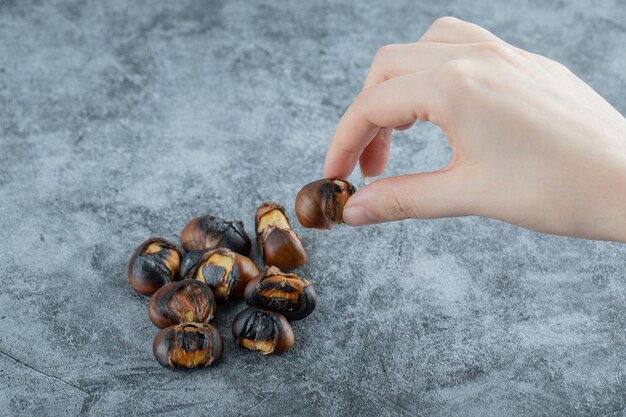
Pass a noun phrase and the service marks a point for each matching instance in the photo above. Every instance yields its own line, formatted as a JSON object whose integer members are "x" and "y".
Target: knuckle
{"x": 497, "y": 50}
{"x": 444, "y": 22}
{"x": 494, "y": 48}
{"x": 359, "y": 105}
{"x": 359, "y": 101}
{"x": 560, "y": 67}
{"x": 439, "y": 28}
{"x": 458, "y": 78}
{"x": 381, "y": 59}
{"x": 457, "y": 70}
{"x": 384, "y": 52}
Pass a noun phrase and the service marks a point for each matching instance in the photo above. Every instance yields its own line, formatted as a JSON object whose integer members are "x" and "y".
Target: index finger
{"x": 393, "y": 103}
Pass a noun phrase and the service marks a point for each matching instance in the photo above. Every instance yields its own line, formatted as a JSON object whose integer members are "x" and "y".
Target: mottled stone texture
{"x": 124, "y": 119}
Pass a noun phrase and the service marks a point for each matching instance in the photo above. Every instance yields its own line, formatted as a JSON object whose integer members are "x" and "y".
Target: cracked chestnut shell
{"x": 153, "y": 264}
{"x": 211, "y": 232}
{"x": 180, "y": 302}
{"x": 279, "y": 245}
{"x": 292, "y": 296}
{"x": 266, "y": 331}
{"x": 190, "y": 259}
{"x": 226, "y": 272}
{"x": 188, "y": 345}
{"x": 319, "y": 205}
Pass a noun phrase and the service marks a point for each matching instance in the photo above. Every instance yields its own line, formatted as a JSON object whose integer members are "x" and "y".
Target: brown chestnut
{"x": 225, "y": 271}
{"x": 188, "y": 345}
{"x": 180, "y": 302}
{"x": 279, "y": 245}
{"x": 266, "y": 331}
{"x": 211, "y": 232}
{"x": 292, "y": 296}
{"x": 190, "y": 259}
{"x": 153, "y": 264}
{"x": 319, "y": 205}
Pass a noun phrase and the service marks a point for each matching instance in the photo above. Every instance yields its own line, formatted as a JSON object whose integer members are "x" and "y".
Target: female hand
{"x": 532, "y": 144}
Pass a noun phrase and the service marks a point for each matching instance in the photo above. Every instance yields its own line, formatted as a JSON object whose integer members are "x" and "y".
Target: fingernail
{"x": 369, "y": 180}
{"x": 356, "y": 216}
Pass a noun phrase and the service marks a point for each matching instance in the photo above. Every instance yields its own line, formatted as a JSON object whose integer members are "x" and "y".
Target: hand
{"x": 532, "y": 144}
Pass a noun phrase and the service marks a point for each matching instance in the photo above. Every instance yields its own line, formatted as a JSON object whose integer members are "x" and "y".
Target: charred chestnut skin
{"x": 188, "y": 345}
{"x": 259, "y": 329}
{"x": 211, "y": 232}
{"x": 319, "y": 204}
{"x": 153, "y": 264}
{"x": 190, "y": 259}
{"x": 292, "y": 296}
{"x": 180, "y": 302}
{"x": 226, "y": 272}
{"x": 279, "y": 245}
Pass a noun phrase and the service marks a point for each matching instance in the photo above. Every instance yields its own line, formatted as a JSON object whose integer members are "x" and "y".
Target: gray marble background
{"x": 124, "y": 119}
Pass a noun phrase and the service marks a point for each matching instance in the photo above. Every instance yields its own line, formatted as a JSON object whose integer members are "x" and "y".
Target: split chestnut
{"x": 279, "y": 245}
{"x": 211, "y": 232}
{"x": 182, "y": 301}
{"x": 153, "y": 264}
{"x": 288, "y": 294}
{"x": 263, "y": 330}
{"x": 188, "y": 345}
{"x": 226, "y": 272}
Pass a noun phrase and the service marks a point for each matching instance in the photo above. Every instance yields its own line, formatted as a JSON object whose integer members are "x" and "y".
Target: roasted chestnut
{"x": 153, "y": 264}
{"x": 292, "y": 296}
{"x": 279, "y": 245}
{"x": 180, "y": 302}
{"x": 266, "y": 331}
{"x": 319, "y": 205}
{"x": 211, "y": 232}
{"x": 190, "y": 259}
{"x": 188, "y": 345}
{"x": 225, "y": 271}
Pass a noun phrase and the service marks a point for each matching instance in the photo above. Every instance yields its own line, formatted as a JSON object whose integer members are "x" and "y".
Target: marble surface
{"x": 120, "y": 120}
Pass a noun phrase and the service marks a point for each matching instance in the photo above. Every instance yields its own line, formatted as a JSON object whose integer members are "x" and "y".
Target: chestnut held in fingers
{"x": 181, "y": 301}
{"x": 188, "y": 345}
{"x": 319, "y": 205}
{"x": 211, "y": 232}
{"x": 257, "y": 329}
{"x": 153, "y": 264}
{"x": 225, "y": 271}
{"x": 279, "y": 245}
{"x": 292, "y": 296}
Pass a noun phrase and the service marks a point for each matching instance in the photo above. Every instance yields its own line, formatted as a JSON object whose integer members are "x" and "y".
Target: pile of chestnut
{"x": 215, "y": 265}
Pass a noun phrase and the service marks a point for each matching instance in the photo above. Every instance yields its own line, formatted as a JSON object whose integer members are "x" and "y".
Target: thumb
{"x": 421, "y": 196}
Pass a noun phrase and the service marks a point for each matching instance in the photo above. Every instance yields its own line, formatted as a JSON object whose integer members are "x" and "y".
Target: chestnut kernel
{"x": 279, "y": 245}
{"x": 319, "y": 205}
{"x": 180, "y": 302}
{"x": 266, "y": 331}
{"x": 211, "y": 232}
{"x": 226, "y": 272}
{"x": 292, "y": 296}
{"x": 153, "y": 264}
{"x": 188, "y": 345}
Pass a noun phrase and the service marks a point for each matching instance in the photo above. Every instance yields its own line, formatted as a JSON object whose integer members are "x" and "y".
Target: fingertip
{"x": 339, "y": 164}
{"x": 356, "y": 211}
{"x": 375, "y": 156}
{"x": 369, "y": 180}
{"x": 357, "y": 216}
{"x": 404, "y": 126}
